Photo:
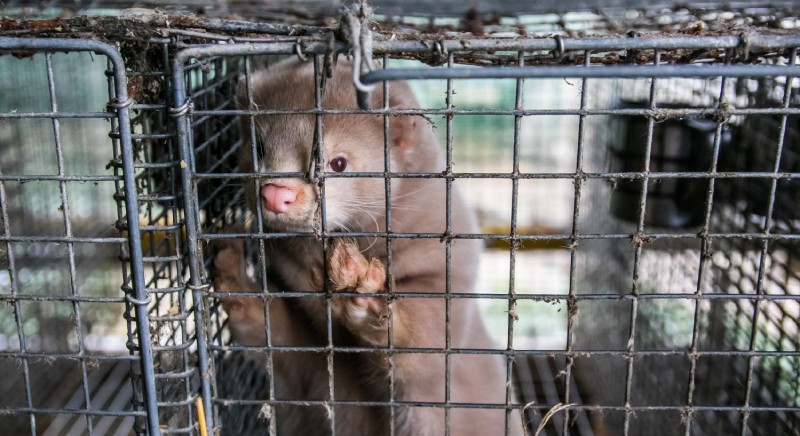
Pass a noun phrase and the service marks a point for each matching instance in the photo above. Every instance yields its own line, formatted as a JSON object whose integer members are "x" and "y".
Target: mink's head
{"x": 352, "y": 143}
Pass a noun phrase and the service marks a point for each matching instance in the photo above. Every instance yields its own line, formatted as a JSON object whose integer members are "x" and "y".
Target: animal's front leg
{"x": 246, "y": 315}
{"x": 366, "y": 315}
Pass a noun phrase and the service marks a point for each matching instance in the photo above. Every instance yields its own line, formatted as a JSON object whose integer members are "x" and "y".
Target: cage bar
{"x": 642, "y": 324}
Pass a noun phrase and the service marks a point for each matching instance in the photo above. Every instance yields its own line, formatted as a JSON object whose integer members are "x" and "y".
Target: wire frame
{"x": 622, "y": 291}
{"x": 678, "y": 300}
{"x": 55, "y": 264}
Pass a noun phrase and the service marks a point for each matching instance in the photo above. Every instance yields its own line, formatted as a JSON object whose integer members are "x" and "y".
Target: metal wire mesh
{"x": 661, "y": 211}
{"x": 688, "y": 299}
{"x": 60, "y": 269}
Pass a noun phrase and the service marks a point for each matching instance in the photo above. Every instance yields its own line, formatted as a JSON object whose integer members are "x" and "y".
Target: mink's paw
{"x": 231, "y": 277}
{"x": 229, "y": 264}
{"x": 350, "y": 271}
{"x": 245, "y": 314}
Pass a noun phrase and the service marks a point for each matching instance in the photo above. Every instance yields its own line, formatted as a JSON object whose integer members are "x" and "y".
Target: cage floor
{"x": 58, "y": 385}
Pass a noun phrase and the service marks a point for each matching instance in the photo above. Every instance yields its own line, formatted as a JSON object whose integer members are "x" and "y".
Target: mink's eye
{"x": 338, "y": 164}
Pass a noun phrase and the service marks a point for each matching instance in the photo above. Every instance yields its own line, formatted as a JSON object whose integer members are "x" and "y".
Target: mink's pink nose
{"x": 277, "y": 198}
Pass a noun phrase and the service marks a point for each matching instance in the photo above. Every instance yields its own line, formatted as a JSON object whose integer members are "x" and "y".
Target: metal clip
{"x": 184, "y": 109}
{"x": 136, "y": 302}
{"x": 359, "y": 36}
{"x": 558, "y": 53}
{"x": 744, "y": 46}
{"x": 116, "y": 104}
{"x": 200, "y": 287}
{"x": 298, "y": 50}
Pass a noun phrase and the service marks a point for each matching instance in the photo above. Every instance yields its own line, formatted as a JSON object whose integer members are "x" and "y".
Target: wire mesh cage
{"x": 723, "y": 322}
{"x": 632, "y": 171}
{"x": 63, "y": 347}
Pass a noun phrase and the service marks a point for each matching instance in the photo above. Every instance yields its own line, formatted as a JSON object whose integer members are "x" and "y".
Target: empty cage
{"x": 68, "y": 274}
{"x": 632, "y": 170}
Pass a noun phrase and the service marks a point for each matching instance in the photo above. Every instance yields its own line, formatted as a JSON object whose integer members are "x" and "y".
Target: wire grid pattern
{"x": 635, "y": 409}
{"x": 420, "y": 21}
{"x": 171, "y": 310}
{"x": 756, "y": 287}
{"x": 221, "y": 170}
{"x": 58, "y": 264}
{"x": 512, "y": 18}
{"x": 695, "y": 322}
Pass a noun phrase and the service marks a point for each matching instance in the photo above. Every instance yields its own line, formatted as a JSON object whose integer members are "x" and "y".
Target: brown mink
{"x": 355, "y": 143}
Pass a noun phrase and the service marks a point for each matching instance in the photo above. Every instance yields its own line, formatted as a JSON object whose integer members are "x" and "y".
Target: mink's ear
{"x": 404, "y": 130}
{"x": 243, "y": 98}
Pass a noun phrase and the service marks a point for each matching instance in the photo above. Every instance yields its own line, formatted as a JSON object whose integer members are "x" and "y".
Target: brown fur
{"x": 418, "y": 205}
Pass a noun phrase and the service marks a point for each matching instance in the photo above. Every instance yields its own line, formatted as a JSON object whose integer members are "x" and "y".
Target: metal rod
{"x": 196, "y": 269}
{"x": 132, "y": 210}
{"x": 605, "y": 72}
